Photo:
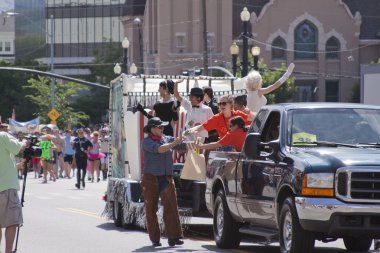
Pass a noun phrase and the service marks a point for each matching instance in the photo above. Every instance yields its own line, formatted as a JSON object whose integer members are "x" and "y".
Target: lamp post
{"x": 255, "y": 52}
{"x": 234, "y": 50}
{"x": 137, "y": 21}
{"x": 133, "y": 69}
{"x": 125, "y": 45}
{"x": 245, "y": 16}
{"x": 117, "y": 69}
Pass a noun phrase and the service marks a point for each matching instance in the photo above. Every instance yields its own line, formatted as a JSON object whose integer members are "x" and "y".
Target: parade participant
{"x": 221, "y": 121}
{"x": 240, "y": 104}
{"x": 157, "y": 182}
{"x": 10, "y": 206}
{"x": 210, "y": 100}
{"x": 197, "y": 112}
{"x": 69, "y": 153}
{"x": 235, "y": 137}
{"x": 60, "y": 147}
{"x": 165, "y": 109}
{"x": 104, "y": 147}
{"x": 253, "y": 83}
{"x": 94, "y": 156}
{"x": 81, "y": 146}
{"x": 47, "y": 157}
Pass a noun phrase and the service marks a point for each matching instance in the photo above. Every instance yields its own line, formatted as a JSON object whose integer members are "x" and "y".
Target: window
{"x": 180, "y": 40}
{"x": 332, "y": 48}
{"x": 1, "y": 46}
{"x": 332, "y": 91}
{"x": 278, "y": 49}
{"x": 210, "y": 40}
{"x": 305, "y": 41}
{"x": 306, "y": 91}
{"x": 7, "y": 46}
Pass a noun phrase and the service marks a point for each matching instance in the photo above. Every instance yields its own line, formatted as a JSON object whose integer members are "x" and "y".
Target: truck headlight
{"x": 318, "y": 184}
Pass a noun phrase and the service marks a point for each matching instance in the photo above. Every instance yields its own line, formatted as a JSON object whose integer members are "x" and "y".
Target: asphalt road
{"x": 61, "y": 219}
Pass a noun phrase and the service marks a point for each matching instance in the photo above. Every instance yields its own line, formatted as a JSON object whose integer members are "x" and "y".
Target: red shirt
{"x": 222, "y": 124}
{"x": 235, "y": 139}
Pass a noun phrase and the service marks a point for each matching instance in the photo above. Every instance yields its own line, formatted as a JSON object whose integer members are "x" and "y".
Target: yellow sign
{"x": 54, "y": 114}
{"x": 303, "y": 138}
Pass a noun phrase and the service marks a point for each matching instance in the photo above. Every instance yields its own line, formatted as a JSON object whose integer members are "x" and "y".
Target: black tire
{"x": 117, "y": 214}
{"x": 357, "y": 244}
{"x": 293, "y": 239}
{"x": 226, "y": 229}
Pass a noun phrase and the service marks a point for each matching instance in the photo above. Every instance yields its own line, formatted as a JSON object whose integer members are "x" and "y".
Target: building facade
{"x": 172, "y": 33}
{"x": 327, "y": 40}
{"x": 7, "y": 37}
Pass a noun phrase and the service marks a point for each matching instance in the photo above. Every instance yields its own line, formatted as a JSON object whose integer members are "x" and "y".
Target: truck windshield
{"x": 339, "y": 125}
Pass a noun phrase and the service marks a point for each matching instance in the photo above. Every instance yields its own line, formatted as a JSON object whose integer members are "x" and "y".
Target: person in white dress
{"x": 253, "y": 84}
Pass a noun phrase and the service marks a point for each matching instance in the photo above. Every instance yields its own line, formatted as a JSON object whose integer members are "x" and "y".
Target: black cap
{"x": 154, "y": 122}
{"x": 196, "y": 92}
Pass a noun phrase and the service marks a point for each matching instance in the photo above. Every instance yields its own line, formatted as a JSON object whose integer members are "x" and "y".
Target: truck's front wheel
{"x": 357, "y": 244}
{"x": 226, "y": 229}
{"x": 293, "y": 238}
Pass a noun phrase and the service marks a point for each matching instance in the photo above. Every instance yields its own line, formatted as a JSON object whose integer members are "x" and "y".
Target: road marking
{"x": 82, "y": 212}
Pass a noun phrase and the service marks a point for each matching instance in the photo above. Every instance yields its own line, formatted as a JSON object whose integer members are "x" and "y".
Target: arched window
{"x": 332, "y": 48}
{"x": 278, "y": 49}
{"x": 305, "y": 41}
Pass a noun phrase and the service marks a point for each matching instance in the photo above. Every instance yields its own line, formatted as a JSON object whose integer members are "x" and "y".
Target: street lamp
{"x": 125, "y": 45}
{"x": 138, "y": 22}
{"x": 255, "y": 52}
{"x": 245, "y": 16}
{"x": 234, "y": 50}
{"x": 133, "y": 69}
{"x": 117, "y": 69}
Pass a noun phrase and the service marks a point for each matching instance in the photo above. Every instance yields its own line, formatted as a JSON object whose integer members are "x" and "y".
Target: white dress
{"x": 254, "y": 101}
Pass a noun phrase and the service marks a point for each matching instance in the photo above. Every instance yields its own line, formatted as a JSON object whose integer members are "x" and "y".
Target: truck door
{"x": 243, "y": 181}
{"x": 257, "y": 192}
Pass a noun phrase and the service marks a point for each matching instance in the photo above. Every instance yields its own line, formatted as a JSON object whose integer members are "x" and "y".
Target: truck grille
{"x": 358, "y": 184}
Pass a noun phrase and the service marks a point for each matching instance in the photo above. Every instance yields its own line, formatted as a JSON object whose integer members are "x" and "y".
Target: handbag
{"x": 194, "y": 167}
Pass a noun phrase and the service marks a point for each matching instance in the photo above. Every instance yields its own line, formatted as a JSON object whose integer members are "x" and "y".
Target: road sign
{"x": 54, "y": 114}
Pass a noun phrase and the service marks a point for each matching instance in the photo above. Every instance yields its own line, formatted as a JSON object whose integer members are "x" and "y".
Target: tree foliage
{"x": 286, "y": 91}
{"x": 12, "y": 94}
{"x": 39, "y": 94}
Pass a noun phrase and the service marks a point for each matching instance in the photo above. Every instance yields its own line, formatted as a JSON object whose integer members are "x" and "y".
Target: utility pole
{"x": 52, "y": 38}
{"x": 205, "y": 46}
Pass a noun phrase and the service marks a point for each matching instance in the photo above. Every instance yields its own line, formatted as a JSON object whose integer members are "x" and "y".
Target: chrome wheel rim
{"x": 220, "y": 220}
{"x": 287, "y": 231}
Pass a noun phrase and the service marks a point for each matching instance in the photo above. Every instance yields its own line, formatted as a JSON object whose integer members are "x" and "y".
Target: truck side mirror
{"x": 251, "y": 146}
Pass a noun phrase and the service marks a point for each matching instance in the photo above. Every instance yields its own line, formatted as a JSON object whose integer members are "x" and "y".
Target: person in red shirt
{"x": 221, "y": 121}
{"x": 235, "y": 137}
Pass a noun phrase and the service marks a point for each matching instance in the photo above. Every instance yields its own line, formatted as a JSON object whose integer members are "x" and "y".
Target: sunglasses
{"x": 159, "y": 127}
{"x": 222, "y": 103}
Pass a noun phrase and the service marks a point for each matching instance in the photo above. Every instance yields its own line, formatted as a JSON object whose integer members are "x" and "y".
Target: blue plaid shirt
{"x": 158, "y": 164}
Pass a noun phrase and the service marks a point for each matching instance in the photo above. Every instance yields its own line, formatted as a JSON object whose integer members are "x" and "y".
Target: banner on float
{"x": 25, "y": 127}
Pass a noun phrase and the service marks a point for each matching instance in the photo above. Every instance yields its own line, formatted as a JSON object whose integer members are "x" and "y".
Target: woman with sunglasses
{"x": 235, "y": 137}
{"x": 157, "y": 182}
{"x": 221, "y": 121}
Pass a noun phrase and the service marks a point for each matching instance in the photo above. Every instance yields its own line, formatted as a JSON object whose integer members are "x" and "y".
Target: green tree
{"x": 39, "y": 91}
{"x": 95, "y": 103}
{"x": 12, "y": 94}
{"x": 286, "y": 91}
